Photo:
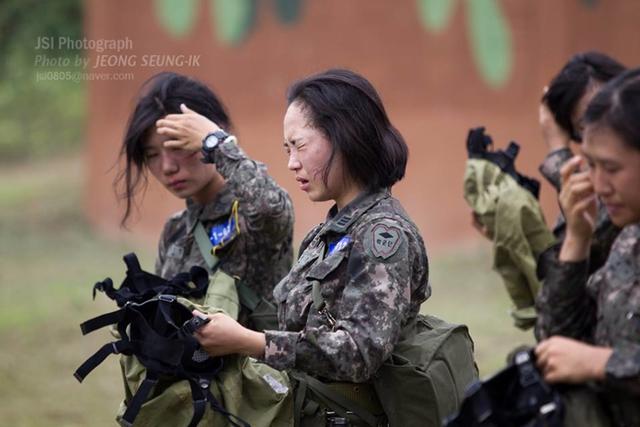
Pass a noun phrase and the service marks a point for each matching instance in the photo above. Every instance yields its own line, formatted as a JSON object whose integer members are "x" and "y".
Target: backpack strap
{"x": 201, "y": 395}
{"x": 150, "y": 380}
{"x": 199, "y": 402}
{"x": 248, "y": 297}
{"x": 115, "y": 347}
{"x": 205, "y": 246}
{"x": 336, "y": 400}
{"x": 102, "y": 321}
{"x": 133, "y": 265}
{"x": 99, "y": 356}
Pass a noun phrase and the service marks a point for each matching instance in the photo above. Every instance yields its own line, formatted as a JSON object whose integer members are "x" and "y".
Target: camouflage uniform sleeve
{"x": 550, "y": 167}
{"x": 623, "y": 367}
{"x": 372, "y": 307}
{"x": 564, "y": 307}
{"x": 265, "y": 205}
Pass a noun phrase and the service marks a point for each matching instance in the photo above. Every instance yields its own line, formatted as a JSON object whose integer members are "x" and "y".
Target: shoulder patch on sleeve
{"x": 384, "y": 240}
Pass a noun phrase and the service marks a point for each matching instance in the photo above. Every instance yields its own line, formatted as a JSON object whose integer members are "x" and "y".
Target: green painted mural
{"x": 288, "y": 11}
{"x": 488, "y": 31}
{"x": 435, "y": 14}
{"x": 176, "y": 16}
{"x": 234, "y": 20}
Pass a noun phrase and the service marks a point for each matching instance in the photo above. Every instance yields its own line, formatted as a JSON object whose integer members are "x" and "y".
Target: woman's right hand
{"x": 186, "y": 130}
{"x": 578, "y": 202}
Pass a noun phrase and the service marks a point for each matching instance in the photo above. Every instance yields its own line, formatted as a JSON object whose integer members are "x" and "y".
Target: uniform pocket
{"x": 324, "y": 268}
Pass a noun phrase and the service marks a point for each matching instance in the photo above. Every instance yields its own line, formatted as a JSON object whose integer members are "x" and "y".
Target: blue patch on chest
{"x": 223, "y": 232}
{"x": 338, "y": 244}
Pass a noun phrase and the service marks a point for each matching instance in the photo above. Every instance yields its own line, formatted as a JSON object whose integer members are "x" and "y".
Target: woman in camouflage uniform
{"x": 592, "y": 324}
{"x": 367, "y": 260}
{"x": 246, "y": 216}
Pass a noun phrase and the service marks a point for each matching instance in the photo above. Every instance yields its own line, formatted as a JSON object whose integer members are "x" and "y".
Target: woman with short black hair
{"x": 362, "y": 274}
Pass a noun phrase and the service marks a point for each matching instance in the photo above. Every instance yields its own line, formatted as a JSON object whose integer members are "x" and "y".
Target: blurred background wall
{"x": 441, "y": 66}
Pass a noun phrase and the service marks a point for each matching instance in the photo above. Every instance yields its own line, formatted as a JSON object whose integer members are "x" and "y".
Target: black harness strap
{"x": 102, "y": 321}
{"x": 98, "y": 357}
{"x": 139, "y": 398}
{"x": 199, "y": 403}
{"x": 158, "y": 330}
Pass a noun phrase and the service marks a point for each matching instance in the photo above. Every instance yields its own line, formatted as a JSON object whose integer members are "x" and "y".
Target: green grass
{"x": 50, "y": 259}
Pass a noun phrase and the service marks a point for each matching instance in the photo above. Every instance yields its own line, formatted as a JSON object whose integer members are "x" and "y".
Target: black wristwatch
{"x": 211, "y": 141}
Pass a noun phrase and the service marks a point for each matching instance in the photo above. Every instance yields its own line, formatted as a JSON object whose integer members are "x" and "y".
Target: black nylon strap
{"x": 98, "y": 357}
{"x": 199, "y": 403}
{"x": 102, "y": 321}
{"x": 341, "y": 404}
{"x": 139, "y": 398}
{"x": 133, "y": 265}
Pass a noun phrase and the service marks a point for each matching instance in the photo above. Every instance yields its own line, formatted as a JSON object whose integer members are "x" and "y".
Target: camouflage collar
{"x": 218, "y": 207}
{"x": 340, "y": 221}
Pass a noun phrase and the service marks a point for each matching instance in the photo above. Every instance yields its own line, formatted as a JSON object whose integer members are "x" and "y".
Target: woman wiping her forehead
{"x": 594, "y": 321}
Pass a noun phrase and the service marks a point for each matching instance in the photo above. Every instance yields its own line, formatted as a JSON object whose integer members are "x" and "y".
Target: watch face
{"x": 211, "y": 141}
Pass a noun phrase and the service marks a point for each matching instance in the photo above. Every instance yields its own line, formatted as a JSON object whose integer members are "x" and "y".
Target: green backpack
{"x": 427, "y": 374}
{"x": 420, "y": 384}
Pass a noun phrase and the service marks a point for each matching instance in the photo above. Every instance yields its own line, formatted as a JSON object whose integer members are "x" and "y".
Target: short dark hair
{"x": 617, "y": 106}
{"x": 572, "y": 82}
{"x": 159, "y": 96}
{"x": 346, "y": 108}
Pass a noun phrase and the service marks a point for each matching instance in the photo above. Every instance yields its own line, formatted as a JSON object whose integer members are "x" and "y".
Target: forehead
{"x": 153, "y": 140}
{"x": 297, "y": 114}
{"x": 603, "y": 143}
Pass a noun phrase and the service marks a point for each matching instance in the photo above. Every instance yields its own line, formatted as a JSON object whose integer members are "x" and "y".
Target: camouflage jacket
{"x": 260, "y": 253}
{"x": 371, "y": 264}
{"x": 603, "y": 310}
{"x": 606, "y": 231}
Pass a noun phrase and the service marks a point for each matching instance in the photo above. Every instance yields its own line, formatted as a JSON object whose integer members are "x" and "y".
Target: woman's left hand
{"x": 186, "y": 130}
{"x": 223, "y": 335}
{"x": 565, "y": 360}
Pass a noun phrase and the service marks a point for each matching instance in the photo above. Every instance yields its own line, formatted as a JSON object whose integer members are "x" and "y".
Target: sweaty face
{"x": 615, "y": 173}
{"x": 179, "y": 171}
{"x": 309, "y": 152}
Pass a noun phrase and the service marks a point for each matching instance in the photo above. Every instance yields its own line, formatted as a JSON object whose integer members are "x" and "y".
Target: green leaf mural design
{"x": 435, "y": 14}
{"x": 288, "y": 11}
{"x": 490, "y": 40}
{"x": 176, "y": 16}
{"x": 234, "y": 19}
